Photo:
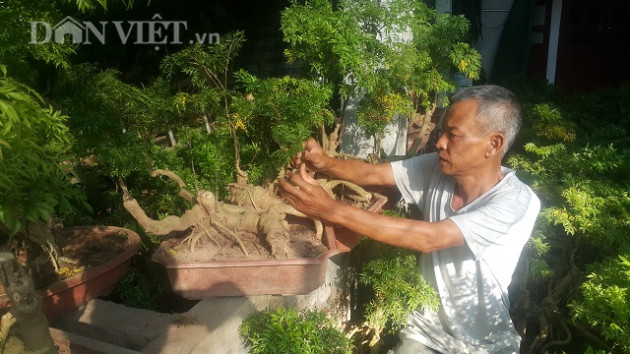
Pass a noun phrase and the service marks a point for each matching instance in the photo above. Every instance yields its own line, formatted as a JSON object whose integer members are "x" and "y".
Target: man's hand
{"x": 306, "y": 195}
{"x": 313, "y": 156}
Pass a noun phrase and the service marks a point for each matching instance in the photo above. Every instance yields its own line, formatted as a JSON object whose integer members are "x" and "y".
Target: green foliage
{"x": 206, "y": 65}
{"x": 138, "y": 290}
{"x": 398, "y": 286}
{"x": 113, "y": 121}
{"x": 15, "y": 50}
{"x": 35, "y": 172}
{"x": 208, "y": 68}
{"x": 578, "y": 162}
{"x": 267, "y": 119}
{"x": 583, "y": 195}
{"x": 279, "y": 114}
{"x": 21, "y": 48}
{"x": 359, "y": 47}
{"x": 90, "y": 5}
{"x": 285, "y": 330}
{"x": 605, "y": 299}
{"x": 210, "y": 156}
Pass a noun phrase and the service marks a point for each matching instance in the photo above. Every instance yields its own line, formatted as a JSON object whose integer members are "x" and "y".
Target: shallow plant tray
{"x": 66, "y": 295}
{"x": 296, "y": 276}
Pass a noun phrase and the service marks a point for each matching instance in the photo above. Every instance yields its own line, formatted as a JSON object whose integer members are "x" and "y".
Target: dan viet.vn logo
{"x": 155, "y": 32}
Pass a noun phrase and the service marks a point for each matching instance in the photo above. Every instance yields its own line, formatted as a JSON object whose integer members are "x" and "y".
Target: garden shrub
{"x": 398, "y": 287}
{"x": 577, "y": 160}
{"x": 287, "y": 331}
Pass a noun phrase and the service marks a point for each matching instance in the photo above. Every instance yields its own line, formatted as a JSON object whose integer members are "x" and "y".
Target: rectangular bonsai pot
{"x": 296, "y": 276}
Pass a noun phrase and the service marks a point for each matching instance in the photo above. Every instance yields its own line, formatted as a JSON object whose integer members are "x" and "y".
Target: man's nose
{"x": 440, "y": 144}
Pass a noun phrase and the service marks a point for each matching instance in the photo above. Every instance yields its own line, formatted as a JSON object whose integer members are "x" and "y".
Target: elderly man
{"x": 478, "y": 214}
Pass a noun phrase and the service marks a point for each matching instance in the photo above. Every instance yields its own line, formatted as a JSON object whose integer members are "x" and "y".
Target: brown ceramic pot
{"x": 71, "y": 293}
{"x": 258, "y": 277}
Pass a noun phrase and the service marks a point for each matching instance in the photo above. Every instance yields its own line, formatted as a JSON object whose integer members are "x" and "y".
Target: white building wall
{"x": 494, "y": 14}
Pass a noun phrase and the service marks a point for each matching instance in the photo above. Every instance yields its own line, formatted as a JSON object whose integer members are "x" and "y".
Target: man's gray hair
{"x": 498, "y": 110}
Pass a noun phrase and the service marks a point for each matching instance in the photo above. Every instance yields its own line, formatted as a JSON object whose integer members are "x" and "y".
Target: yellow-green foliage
{"x": 395, "y": 279}
{"x": 34, "y": 171}
{"x": 287, "y": 331}
{"x": 605, "y": 299}
{"x": 578, "y": 163}
{"x": 377, "y": 110}
{"x": 550, "y": 124}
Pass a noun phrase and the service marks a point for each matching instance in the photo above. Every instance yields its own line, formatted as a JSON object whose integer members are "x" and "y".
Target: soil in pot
{"x": 302, "y": 243}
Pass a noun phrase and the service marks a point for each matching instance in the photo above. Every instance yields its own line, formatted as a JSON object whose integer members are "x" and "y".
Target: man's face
{"x": 462, "y": 146}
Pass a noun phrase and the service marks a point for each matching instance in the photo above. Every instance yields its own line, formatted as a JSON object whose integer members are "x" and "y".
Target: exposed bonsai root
{"x": 367, "y": 337}
{"x": 196, "y": 235}
{"x": 6, "y": 322}
{"x": 361, "y": 194}
{"x": 253, "y": 209}
{"x": 233, "y": 234}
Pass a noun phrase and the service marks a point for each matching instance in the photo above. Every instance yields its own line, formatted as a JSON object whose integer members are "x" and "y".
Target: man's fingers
{"x": 299, "y": 182}
{"x": 290, "y": 194}
{"x": 287, "y": 188}
{"x": 306, "y": 177}
{"x": 296, "y": 160}
{"x": 308, "y": 144}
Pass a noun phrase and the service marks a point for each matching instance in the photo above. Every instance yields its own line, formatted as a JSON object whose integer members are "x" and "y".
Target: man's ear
{"x": 495, "y": 144}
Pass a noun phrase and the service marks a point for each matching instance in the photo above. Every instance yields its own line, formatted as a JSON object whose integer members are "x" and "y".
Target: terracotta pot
{"x": 71, "y": 293}
{"x": 296, "y": 276}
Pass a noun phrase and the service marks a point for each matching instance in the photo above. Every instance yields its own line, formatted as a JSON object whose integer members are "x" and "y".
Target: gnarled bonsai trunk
{"x": 254, "y": 209}
{"x": 26, "y": 306}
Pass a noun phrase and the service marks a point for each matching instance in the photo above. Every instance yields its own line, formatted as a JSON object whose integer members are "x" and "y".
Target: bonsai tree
{"x": 36, "y": 181}
{"x": 399, "y": 58}
{"x": 36, "y": 170}
{"x": 263, "y": 120}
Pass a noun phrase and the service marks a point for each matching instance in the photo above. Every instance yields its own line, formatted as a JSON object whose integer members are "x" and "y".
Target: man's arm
{"x": 305, "y": 195}
{"x": 417, "y": 235}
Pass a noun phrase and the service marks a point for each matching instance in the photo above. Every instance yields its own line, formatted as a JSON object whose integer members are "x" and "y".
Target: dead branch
{"x": 331, "y": 142}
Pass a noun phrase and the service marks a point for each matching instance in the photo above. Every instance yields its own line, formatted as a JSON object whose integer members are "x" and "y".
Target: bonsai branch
{"x": 183, "y": 192}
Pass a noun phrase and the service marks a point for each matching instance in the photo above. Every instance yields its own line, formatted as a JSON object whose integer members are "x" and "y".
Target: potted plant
{"x": 42, "y": 277}
{"x": 265, "y": 120}
{"x": 37, "y": 186}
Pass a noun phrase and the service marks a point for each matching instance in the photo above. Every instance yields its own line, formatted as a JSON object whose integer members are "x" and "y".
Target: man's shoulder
{"x": 514, "y": 190}
{"x": 430, "y": 157}
{"x": 426, "y": 164}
